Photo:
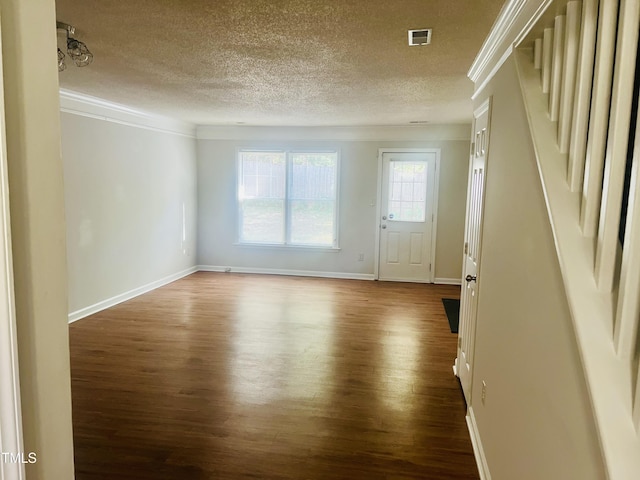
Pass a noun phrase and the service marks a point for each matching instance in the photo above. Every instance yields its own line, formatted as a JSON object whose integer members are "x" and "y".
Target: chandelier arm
{"x": 70, "y": 29}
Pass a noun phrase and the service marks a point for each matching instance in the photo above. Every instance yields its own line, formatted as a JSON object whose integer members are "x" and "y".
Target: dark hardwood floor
{"x": 229, "y": 376}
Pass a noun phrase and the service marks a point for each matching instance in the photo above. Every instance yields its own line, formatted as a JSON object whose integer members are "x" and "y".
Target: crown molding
{"x": 420, "y": 133}
{"x": 98, "y": 108}
{"x": 515, "y": 20}
{"x": 93, "y": 107}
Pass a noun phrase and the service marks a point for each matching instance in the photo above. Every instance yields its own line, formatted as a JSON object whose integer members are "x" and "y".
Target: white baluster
{"x": 571, "y": 45}
{"x": 617, "y": 144}
{"x": 582, "y": 100}
{"x": 547, "y": 47}
{"x": 599, "y": 118}
{"x": 628, "y": 309}
{"x": 556, "y": 67}
{"x": 537, "y": 53}
{"x": 636, "y": 403}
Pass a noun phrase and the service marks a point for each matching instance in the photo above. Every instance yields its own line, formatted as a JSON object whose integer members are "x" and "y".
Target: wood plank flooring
{"x": 230, "y": 376}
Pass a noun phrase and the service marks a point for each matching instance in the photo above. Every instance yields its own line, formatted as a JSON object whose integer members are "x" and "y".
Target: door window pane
{"x": 407, "y": 187}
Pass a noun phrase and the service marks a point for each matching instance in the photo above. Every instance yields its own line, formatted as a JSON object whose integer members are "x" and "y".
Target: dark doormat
{"x": 452, "y": 308}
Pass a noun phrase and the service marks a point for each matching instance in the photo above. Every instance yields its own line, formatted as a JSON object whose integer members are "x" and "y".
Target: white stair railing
{"x": 599, "y": 118}
{"x": 586, "y": 61}
{"x": 617, "y": 145}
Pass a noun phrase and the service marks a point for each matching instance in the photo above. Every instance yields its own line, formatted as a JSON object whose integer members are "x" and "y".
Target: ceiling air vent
{"x": 420, "y": 37}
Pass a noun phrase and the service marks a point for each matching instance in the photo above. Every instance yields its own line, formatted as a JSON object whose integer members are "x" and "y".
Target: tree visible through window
{"x": 288, "y": 198}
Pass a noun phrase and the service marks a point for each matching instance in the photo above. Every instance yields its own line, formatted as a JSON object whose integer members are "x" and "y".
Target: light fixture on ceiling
{"x": 61, "y": 64}
{"x": 76, "y": 49}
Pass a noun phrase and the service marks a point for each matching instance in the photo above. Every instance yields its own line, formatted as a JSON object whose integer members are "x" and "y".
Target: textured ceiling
{"x": 286, "y": 62}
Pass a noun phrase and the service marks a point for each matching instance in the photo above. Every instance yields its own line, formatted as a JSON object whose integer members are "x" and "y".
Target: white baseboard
{"x": 295, "y": 273}
{"x": 478, "y": 451}
{"x": 447, "y": 281}
{"x": 123, "y": 297}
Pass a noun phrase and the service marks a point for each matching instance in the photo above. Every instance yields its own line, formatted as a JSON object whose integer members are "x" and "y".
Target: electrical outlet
{"x": 484, "y": 391}
{"x": 361, "y": 257}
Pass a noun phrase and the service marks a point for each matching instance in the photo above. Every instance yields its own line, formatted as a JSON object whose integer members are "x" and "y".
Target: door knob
{"x": 470, "y": 278}
{"x": 384, "y": 226}
{"x": 384, "y": 217}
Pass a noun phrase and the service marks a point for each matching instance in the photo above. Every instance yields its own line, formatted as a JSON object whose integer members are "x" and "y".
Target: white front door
{"x": 407, "y": 213}
{"x": 472, "y": 243}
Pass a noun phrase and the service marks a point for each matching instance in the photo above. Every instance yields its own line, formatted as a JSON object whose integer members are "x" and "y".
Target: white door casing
{"x": 407, "y": 210}
{"x": 472, "y": 247}
{"x": 10, "y": 412}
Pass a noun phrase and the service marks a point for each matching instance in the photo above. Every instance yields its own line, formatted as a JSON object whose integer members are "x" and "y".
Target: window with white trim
{"x": 288, "y": 197}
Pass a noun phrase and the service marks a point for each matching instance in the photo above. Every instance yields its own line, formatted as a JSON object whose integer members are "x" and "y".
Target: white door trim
{"x": 436, "y": 190}
{"x": 10, "y": 412}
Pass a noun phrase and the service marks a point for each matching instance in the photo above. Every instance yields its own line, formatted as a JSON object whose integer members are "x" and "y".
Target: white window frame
{"x": 288, "y": 152}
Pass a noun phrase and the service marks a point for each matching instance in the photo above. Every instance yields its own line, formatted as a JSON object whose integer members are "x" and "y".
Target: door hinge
{"x": 429, "y": 267}
{"x": 459, "y": 342}
{"x": 466, "y": 247}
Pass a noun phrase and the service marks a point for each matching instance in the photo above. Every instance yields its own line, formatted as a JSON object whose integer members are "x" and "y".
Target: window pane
{"x": 407, "y": 187}
{"x": 262, "y": 193}
{"x": 407, "y": 191}
{"x": 312, "y": 198}
{"x": 262, "y": 221}
{"x": 396, "y": 191}
{"x": 312, "y": 222}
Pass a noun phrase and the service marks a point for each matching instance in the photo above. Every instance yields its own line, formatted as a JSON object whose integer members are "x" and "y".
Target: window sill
{"x": 275, "y": 246}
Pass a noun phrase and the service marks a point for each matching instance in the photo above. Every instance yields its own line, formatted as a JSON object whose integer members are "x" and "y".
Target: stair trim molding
{"x": 607, "y": 375}
{"x": 514, "y": 22}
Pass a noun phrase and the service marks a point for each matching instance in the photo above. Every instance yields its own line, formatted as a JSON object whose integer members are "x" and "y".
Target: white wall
{"x": 536, "y": 422}
{"x": 217, "y": 213}
{"x": 38, "y": 233}
{"x": 125, "y": 189}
